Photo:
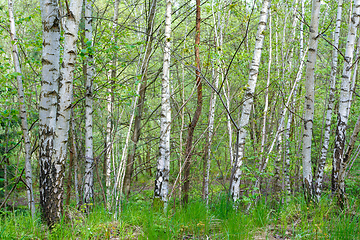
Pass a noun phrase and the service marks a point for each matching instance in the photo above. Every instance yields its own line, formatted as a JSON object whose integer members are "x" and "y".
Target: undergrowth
{"x": 219, "y": 220}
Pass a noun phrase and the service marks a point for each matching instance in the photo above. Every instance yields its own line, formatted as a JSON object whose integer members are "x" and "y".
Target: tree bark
{"x": 55, "y": 105}
{"x": 344, "y": 102}
{"x": 163, "y": 164}
{"x": 309, "y": 100}
{"x": 22, "y": 110}
{"x": 89, "y": 155}
{"x": 249, "y": 98}
{"x": 322, "y": 160}
{"x": 194, "y": 121}
{"x": 50, "y": 200}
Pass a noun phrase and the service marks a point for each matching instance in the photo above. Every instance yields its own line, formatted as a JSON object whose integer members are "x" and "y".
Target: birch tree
{"x": 163, "y": 164}
{"x": 50, "y": 199}
{"x": 344, "y": 105}
{"x": 89, "y": 156}
{"x": 248, "y": 100}
{"x": 23, "y": 112}
{"x": 330, "y": 106}
{"x": 309, "y": 99}
{"x": 55, "y": 105}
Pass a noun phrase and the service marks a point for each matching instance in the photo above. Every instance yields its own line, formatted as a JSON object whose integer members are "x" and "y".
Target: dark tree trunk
{"x": 197, "y": 113}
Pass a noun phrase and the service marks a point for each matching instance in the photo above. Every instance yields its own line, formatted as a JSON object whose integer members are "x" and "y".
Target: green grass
{"x": 219, "y": 220}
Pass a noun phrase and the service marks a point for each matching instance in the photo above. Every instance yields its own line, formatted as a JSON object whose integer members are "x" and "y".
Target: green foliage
{"x": 138, "y": 220}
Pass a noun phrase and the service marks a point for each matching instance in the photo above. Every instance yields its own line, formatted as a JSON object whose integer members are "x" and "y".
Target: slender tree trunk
{"x": 110, "y": 100}
{"x": 249, "y": 98}
{"x": 50, "y": 203}
{"x": 139, "y": 108}
{"x": 321, "y": 163}
{"x": 344, "y": 105}
{"x": 216, "y": 73}
{"x": 194, "y": 121}
{"x": 23, "y": 114}
{"x": 163, "y": 164}
{"x": 309, "y": 100}
{"x": 266, "y": 107}
{"x": 89, "y": 155}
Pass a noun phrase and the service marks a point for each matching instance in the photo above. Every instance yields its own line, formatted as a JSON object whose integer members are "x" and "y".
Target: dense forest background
{"x": 258, "y": 93}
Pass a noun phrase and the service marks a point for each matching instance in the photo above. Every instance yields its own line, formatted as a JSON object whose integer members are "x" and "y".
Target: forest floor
{"x": 219, "y": 220}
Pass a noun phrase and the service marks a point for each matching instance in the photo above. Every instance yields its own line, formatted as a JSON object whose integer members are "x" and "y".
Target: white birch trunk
{"x": 309, "y": 100}
{"x": 65, "y": 98}
{"x": 163, "y": 164}
{"x": 330, "y": 107}
{"x": 249, "y": 94}
{"x": 23, "y": 114}
{"x": 50, "y": 200}
{"x": 89, "y": 156}
{"x": 266, "y": 107}
{"x": 345, "y": 95}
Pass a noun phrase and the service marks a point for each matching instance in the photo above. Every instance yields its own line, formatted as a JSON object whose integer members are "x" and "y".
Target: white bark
{"x": 330, "y": 106}
{"x": 163, "y": 164}
{"x": 23, "y": 114}
{"x": 89, "y": 156}
{"x": 66, "y": 91}
{"x": 309, "y": 99}
{"x": 345, "y": 97}
{"x": 266, "y": 107}
{"x": 249, "y": 94}
{"x": 50, "y": 202}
